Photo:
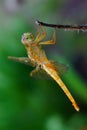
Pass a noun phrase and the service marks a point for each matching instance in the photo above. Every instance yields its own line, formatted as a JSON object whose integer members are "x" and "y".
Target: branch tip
{"x": 37, "y": 22}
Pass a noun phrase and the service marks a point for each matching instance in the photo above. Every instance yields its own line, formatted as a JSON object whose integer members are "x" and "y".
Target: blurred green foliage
{"x": 30, "y": 104}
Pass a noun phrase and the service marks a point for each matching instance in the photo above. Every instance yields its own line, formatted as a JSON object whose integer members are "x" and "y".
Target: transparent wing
{"x": 23, "y": 60}
{"x": 60, "y": 67}
{"x": 40, "y": 74}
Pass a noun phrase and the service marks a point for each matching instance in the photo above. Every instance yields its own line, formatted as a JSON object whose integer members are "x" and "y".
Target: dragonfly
{"x": 38, "y": 59}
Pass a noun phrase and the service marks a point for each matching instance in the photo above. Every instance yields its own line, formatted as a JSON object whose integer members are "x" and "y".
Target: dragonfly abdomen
{"x": 56, "y": 77}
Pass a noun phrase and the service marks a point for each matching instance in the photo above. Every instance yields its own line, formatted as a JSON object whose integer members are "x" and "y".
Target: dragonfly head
{"x": 27, "y": 38}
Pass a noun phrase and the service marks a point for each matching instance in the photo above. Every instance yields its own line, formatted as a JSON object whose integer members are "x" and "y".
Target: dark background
{"x": 32, "y": 104}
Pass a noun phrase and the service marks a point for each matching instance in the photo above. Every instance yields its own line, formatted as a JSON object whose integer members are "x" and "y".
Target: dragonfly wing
{"x": 40, "y": 74}
{"x": 23, "y": 60}
{"x": 60, "y": 67}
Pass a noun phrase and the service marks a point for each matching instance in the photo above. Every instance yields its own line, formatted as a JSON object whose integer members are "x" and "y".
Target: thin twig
{"x": 67, "y": 27}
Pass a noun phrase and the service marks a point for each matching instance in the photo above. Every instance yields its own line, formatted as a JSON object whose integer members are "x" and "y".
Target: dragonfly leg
{"x": 34, "y": 71}
{"x": 52, "y": 41}
{"x": 40, "y": 36}
{"x": 19, "y": 59}
{"x": 24, "y": 60}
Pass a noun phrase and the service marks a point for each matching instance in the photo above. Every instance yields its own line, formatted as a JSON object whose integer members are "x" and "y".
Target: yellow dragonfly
{"x": 37, "y": 58}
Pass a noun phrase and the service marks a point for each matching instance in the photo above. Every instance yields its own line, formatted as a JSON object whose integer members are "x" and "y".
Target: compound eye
{"x": 31, "y": 36}
{"x": 27, "y": 38}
